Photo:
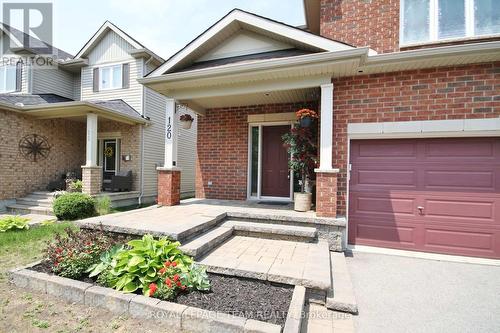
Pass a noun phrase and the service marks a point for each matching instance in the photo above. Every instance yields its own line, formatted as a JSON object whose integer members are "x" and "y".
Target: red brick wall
{"x": 471, "y": 91}
{"x": 373, "y": 23}
{"x": 223, "y": 149}
{"x": 169, "y": 187}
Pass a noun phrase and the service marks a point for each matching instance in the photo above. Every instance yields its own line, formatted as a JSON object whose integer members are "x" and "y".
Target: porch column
{"x": 326, "y": 176}
{"x": 169, "y": 176}
{"x": 91, "y": 172}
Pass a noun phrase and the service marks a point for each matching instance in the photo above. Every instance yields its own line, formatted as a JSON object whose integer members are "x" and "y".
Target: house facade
{"x": 92, "y": 118}
{"x": 408, "y": 97}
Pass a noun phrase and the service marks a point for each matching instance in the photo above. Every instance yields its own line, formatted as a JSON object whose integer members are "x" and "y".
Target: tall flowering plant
{"x": 301, "y": 144}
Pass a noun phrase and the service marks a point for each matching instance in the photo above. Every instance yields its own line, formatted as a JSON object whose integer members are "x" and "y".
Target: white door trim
{"x": 259, "y": 163}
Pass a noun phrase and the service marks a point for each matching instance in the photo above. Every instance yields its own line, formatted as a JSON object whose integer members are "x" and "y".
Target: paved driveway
{"x": 398, "y": 294}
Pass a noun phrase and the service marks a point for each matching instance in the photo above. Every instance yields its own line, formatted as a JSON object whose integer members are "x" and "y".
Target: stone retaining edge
{"x": 295, "y": 312}
{"x": 176, "y": 317}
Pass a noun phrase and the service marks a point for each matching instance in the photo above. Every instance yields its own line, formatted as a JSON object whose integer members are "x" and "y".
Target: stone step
{"x": 340, "y": 296}
{"x": 273, "y": 231}
{"x": 33, "y": 201}
{"x": 202, "y": 244}
{"x": 27, "y": 209}
{"x": 42, "y": 194}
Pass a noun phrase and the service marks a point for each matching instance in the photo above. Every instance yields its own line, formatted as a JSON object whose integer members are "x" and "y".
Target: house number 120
{"x": 169, "y": 129}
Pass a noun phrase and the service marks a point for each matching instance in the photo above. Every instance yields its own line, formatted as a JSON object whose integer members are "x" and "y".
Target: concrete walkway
{"x": 400, "y": 294}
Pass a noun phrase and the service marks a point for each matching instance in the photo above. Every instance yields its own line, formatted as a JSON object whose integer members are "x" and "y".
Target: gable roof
{"x": 103, "y": 30}
{"x": 237, "y": 20}
{"x": 18, "y": 36}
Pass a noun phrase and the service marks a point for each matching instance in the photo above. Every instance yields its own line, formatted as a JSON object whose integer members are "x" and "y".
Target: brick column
{"x": 92, "y": 179}
{"x": 169, "y": 186}
{"x": 326, "y": 193}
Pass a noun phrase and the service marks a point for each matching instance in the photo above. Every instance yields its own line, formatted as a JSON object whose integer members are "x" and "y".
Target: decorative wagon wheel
{"x": 34, "y": 147}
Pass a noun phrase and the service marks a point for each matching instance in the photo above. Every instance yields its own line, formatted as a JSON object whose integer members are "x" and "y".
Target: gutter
{"x": 33, "y": 109}
{"x": 308, "y": 59}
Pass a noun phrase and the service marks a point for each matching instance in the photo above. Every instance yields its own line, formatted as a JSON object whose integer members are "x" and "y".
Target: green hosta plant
{"x": 13, "y": 222}
{"x": 106, "y": 259}
{"x": 138, "y": 266}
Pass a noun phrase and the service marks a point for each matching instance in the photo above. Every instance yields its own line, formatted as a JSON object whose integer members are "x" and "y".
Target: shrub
{"x": 13, "y": 222}
{"x": 72, "y": 206}
{"x": 72, "y": 255}
{"x": 103, "y": 205}
{"x": 138, "y": 266}
{"x": 76, "y": 186}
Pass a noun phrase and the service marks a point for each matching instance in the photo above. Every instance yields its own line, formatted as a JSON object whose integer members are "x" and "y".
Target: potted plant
{"x": 301, "y": 144}
{"x": 306, "y": 117}
{"x": 186, "y": 121}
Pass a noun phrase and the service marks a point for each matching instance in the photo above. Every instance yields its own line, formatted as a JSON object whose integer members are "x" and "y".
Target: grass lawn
{"x": 26, "y": 311}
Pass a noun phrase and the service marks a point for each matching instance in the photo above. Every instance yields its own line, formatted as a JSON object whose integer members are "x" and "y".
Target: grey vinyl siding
{"x": 112, "y": 49}
{"x": 77, "y": 87}
{"x": 154, "y": 140}
{"x": 53, "y": 81}
{"x": 154, "y": 145}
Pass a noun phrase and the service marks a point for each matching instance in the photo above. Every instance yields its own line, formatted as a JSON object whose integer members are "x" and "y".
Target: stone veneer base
{"x": 176, "y": 317}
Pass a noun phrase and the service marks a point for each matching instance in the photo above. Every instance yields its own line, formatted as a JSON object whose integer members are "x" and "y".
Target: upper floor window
{"x": 7, "y": 78}
{"x": 111, "y": 77}
{"x": 435, "y": 20}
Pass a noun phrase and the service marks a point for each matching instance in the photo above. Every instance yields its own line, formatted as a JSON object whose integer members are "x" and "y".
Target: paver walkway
{"x": 282, "y": 261}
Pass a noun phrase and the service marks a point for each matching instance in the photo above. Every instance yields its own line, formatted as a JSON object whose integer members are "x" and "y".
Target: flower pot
{"x": 186, "y": 124}
{"x": 302, "y": 201}
{"x": 306, "y": 122}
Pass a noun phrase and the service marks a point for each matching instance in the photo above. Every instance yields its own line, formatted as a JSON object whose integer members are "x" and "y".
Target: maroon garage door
{"x": 433, "y": 195}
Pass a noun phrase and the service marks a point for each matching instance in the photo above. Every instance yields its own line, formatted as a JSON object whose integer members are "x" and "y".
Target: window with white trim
{"x": 110, "y": 77}
{"x": 8, "y": 78}
{"x": 424, "y": 21}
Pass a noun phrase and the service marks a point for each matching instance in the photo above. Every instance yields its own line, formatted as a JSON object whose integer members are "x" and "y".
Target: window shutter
{"x": 19, "y": 76}
{"x": 96, "y": 79}
{"x": 125, "y": 76}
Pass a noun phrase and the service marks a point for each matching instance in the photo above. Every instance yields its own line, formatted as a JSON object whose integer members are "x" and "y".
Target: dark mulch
{"x": 253, "y": 299}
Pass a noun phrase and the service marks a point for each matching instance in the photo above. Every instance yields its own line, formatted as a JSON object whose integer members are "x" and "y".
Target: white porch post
{"x": 171, "y": 135}
{"x": 91, "y": 172}
{"x": 326, "y": 139}
{"x": 91, "y": 147}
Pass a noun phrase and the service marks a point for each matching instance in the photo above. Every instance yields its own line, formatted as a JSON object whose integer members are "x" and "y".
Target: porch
{"x": 92, "y": 141}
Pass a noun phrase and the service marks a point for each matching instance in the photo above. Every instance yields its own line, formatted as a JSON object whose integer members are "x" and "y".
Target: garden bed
{"x": 251, "y": 299}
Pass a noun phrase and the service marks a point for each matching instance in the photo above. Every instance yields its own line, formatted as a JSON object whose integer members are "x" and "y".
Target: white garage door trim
{"x": 489, "y": 127}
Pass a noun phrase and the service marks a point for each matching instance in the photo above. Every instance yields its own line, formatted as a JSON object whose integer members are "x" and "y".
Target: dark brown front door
{"x": 275, "y": 180}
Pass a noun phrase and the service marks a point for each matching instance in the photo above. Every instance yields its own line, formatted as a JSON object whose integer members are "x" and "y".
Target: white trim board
{"x": 425, "y": 128}
{"x": 423, "y": 255}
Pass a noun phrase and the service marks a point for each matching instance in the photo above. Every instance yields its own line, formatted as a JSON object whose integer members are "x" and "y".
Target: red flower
{"x": 162, "y": 271}
{"x": 56, "y": 263}
{"x": 183, "y": 287}
{"x": 152, "y": 288}
{"x": 58, "y": 250}
{"x": 179, "y": 283}
{"x": 168, "y": 283}
{"x": 174, "y": 264}
{"x": 167, "y": 263}
{"x": 176, "y": 277}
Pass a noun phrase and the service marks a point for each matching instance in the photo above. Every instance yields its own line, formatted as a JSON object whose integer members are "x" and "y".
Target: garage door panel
{"x": 459, "y": 239}
{"x": 386, "y": 234}
{"x": 465, "y": 180}
{"x": 381, "y": 149}
{"x": 456, "y": 182}
{"x": 460, "y": 209}
{"x": 370, "y": 177}
{"x": 451, "y": 149}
